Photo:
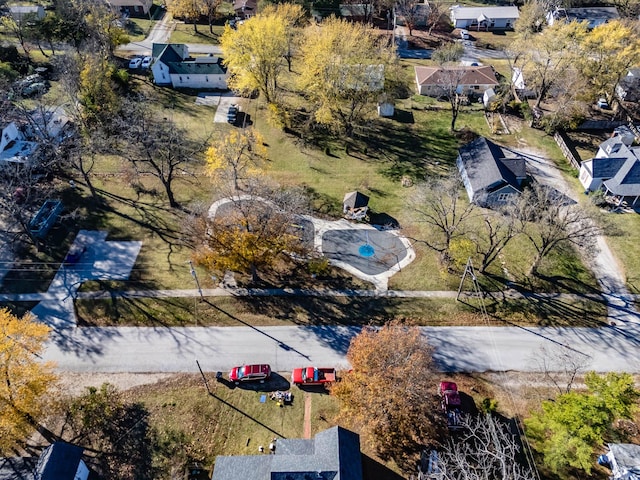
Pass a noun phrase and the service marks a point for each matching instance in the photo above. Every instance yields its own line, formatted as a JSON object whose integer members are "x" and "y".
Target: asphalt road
{"x": 472, "y": 349}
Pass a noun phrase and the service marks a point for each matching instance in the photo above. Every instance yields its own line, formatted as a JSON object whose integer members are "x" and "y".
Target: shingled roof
{"x": 489, "y": 166}
{"x": 441, "y": 76}
{"x": 333, "y": 454}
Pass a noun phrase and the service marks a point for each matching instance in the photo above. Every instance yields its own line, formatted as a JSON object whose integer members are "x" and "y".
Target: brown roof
{"x": 481, "y": 75}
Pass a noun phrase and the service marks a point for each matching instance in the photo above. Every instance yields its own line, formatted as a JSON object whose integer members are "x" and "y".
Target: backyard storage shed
{"x": 355, "y": 205}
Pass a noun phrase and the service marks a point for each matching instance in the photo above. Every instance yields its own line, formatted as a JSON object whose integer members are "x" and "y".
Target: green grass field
{"x": 184, "y": 33}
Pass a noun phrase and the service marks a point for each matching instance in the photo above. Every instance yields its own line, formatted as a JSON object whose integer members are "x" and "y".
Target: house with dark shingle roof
{"x": 59, "y": 461}
{"x": 333, "y": 454}
{"x": 615, "y": 169}
{"x": 438, "y": 81}
{"x": 492, "y": 175}
{"x": 173, "y": 66}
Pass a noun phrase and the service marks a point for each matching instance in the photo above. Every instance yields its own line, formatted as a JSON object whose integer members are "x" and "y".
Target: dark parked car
{"x": 232, "y": 114}
{"x": 74, "y": 254}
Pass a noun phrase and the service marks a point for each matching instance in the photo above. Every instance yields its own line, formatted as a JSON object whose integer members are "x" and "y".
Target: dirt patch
{"x": 75, "y": 383}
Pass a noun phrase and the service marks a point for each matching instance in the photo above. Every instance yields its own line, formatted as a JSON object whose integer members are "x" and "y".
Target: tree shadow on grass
{"x": 373, "y": 469}
{"x": 414, "y": 152}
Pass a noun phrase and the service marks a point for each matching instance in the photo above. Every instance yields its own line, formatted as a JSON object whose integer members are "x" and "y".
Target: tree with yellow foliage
{"x": 254, "y": 53}
{"x": 294, "y": 18}
{"x": 391, "y": 391}
{"x": 345, "y": 68}
{"x": 190, "y": 10}
{"x": 548, "y": 58}
{"x": 608, "y": 52}
{"x": 236, "y": 156}
{"x": 24, "y": 381}
{"x": 254, "y": 231}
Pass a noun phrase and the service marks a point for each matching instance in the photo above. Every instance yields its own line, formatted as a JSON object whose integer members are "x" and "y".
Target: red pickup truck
{"x": 313, "y": 376}
{"x": 451, "y": 403}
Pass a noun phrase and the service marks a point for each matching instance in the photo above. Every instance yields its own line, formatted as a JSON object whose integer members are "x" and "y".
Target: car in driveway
{"x": 250, "y": 373}
{"x": 135, "y": 63}
{"x": 603, "y": 104}
{"x": 464, "y": 34}
{"x": 146, "y": 63}
{"x": 232, "y": 113}
{"x": 75, "y": 254}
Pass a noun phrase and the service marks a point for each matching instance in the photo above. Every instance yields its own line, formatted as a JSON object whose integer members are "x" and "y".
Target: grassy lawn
{"x": 138, "y": 28}
{"x": 625, "y": 247}
{"x": 230, "y": 421}
{"x": 497, "y": 39}
{"x": 184, "y": 33}
{"x": 295, "y": 310}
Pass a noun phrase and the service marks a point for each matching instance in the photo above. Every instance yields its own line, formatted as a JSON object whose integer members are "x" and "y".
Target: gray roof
{"x": 587, "y": 13}
{"x": 606, "y": 167}
{"x": 473, "y": 13}
{"x": 355, "y": 200}
{"x": 490, "y": 167}
{"x": 167, "y": 51}
{"x": 626, "y": 182}
{"x": 333, "y": 454}
{"x": 59, "y": 461}
{"x": 195, "y": 68}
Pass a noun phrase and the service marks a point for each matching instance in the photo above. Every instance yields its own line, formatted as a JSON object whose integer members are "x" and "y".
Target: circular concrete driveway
{"x": 345, "y": 246}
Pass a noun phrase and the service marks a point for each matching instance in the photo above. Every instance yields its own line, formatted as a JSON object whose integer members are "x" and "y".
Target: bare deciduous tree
{"x": 561, "y": 366}
{"x": 498, "y": 232}
{"x": 548, "y": 219}
{"x": 158, "y": 147}
{"x": 438, "y": 204}
{"x": 485, "y": 450}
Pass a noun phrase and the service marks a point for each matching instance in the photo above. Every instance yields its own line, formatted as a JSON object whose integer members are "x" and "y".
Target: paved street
{"x": 473, "y": 349}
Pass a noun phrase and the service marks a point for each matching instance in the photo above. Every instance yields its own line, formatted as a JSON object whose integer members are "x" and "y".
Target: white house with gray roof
{"x": 615, "y": 169}
{"x": 484, "y": 18}
{"x": 492, "y": 175}
{"x": 333, "y": 454}
{"x": 172, "y": 65}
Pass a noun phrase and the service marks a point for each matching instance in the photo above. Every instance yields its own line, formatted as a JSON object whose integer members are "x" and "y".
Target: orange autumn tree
{"x": 24, "y": 380}
{"x": 391, "y": 391}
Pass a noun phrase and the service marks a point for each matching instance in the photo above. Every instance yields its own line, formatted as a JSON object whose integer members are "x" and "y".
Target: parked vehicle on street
{"x": 451, "y": 403}
{"x": 250, "y": 373}
{"x": 313, "y": 376}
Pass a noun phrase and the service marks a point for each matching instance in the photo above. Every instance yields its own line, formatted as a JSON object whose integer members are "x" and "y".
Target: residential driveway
{"x": 226, "y": 100}
{"x": 600, "y": 259}
{"x": 102, "y": 260}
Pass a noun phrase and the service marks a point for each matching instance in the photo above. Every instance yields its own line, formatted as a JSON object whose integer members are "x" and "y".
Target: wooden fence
{"x": 567, "y": 148}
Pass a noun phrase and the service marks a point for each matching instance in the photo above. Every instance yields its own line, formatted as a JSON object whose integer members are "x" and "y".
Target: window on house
{"x": 504, "y": 197}
{"x": 180, "y": 79}
{"x": 6, "y": 136}
{"x": 476, "y": 87}
{"x": 206, "y": 78}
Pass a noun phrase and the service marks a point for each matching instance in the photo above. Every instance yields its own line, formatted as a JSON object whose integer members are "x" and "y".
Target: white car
{"x": 146, "y": 63}
{"x": 464, "y": 34}
{"x": 135, "y": 63}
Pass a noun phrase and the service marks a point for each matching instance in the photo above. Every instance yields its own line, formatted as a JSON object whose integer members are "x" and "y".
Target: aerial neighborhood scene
{"x": 320, "y": 239}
